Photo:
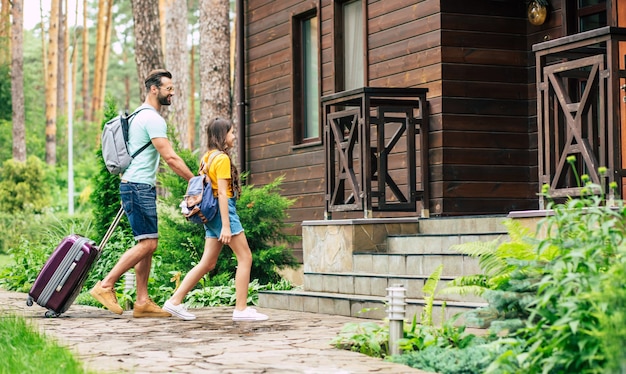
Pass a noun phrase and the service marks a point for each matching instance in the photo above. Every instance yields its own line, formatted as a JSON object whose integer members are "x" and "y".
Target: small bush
{"x": 15, "y": 227}
{"x": 368, "y": 338}
{"x": 23, "y": 187}
{"x": 447, "y": 360}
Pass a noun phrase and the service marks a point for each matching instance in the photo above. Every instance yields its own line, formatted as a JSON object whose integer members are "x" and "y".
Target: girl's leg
{"x": 212, "y": 249}
{"x": 239, "y": 245}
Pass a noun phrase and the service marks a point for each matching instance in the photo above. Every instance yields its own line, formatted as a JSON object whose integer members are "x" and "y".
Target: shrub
{"x": 564, "y": 309}
{"x": 14, "y": 227}
{"x": 368, "y": 338}
{"x": 557, "y": 303}
{"x": 446, "y": 360}
{"x": 26, "y": 261}
{"x": 23, "y": 187}
{"x": 561, "y": 332}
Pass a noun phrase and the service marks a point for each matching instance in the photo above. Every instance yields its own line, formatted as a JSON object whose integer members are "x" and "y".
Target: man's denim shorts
{"x": 213, "y": 228}
{"x": 139, "y": 201}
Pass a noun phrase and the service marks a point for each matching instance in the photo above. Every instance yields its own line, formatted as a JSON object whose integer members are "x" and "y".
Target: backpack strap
{"x": 149, "y": 142}
{"x": 141, "y": 149}
{"x": 208, "y": 165}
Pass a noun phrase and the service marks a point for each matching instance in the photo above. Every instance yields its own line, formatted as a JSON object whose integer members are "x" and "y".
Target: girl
{"x": 224, "y": 228}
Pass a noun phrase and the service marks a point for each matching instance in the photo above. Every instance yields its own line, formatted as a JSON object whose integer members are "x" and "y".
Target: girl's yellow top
{"x": 219, "y": 169}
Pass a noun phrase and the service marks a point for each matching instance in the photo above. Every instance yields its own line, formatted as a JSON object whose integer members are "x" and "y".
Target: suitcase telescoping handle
{"x": 109, "y": 232}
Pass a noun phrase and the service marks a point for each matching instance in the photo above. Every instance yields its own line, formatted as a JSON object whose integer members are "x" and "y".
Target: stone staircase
{"x": 349, "y": 264}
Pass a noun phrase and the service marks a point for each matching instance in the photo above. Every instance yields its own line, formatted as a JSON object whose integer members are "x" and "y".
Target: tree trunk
{"x": 17, "y": 81}
{"x": 52, "y": 63}
{"x": 177, "y": 62}
{"x": 5, "y": 31}
{"x": 191, "y": 125}
{"x": 44, "y": 48}
{"x": 85, "y": 63}
{"x": 214, "y": 63}
{"x": 163, "y": 4}
{"x": 62, "y": 55}
{"x": 102, "y": 51}
{"x": 148, "y": 53}
{"x": 99, "y": 50}
{"x": 105, "y": 56}
{"x": 73, "y": 61}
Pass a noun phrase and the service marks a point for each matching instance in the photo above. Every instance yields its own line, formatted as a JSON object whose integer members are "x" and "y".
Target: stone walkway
{"x": 289, "y": 342}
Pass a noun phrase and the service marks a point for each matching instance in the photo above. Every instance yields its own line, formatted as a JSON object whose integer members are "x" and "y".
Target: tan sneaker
{"x": 149, "y": 310}
{"x": 106, "y": 297}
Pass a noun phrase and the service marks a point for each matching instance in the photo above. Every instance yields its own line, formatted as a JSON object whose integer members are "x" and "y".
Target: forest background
{"x": 61, "y": 82}
{"x": 57, "y": 75}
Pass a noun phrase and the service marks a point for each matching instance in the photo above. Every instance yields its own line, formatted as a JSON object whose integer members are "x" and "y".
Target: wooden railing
{"x": 372, "y": 160}
{"x": 580, "y": 111}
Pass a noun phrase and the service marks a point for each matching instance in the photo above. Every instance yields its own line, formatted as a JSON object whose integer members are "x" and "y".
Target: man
{"x": 138, "y": 193}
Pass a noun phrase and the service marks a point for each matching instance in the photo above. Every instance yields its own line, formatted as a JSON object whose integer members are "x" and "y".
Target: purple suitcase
{"x": 64, "y": 274}
{"x": 62, "y": 277}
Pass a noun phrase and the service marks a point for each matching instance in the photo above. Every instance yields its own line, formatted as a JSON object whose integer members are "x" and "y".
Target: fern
{"x": 429, "y": 295}
{"x": 470, "y": 284}
{"x": 498, "y": 259}
{"x": 486, "y": 252}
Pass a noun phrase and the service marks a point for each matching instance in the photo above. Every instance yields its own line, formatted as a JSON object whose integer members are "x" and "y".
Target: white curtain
{"x": 311, "y": 91}
{"x": 353, "y": 45}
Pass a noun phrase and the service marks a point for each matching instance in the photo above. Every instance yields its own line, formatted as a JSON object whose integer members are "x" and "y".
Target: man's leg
{"x": 142, "y": 272}
{"x": 104, "y": 291}
{"x": 139, "y": 201}
{"x": 144, "y": 307}
{"x": 133, "y": 258}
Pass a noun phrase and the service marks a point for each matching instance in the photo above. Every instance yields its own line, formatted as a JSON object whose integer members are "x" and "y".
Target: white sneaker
{"x": 179, "y": 311}
{"x": 248, "y": 314}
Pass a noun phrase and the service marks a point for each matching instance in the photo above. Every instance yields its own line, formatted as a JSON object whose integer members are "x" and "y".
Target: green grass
{"x": 4, "y": 260}
{"x": 24, "y": 350}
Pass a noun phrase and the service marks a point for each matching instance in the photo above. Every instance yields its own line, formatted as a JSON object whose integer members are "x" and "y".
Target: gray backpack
{"x": 115, "y": 143}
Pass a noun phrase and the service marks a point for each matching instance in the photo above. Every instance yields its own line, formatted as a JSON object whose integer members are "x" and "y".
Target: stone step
{"x": 454, "y": 264}
{"x": 437, "y": 243}
{"x": 463, "y": 225}
{"x": 377, "y": 284}
{"x": 360, "y": 306}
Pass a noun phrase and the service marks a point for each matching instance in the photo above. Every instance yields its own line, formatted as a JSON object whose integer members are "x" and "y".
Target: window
{"x": 306, "y": 108}
{"x": 349, "y": 45}
{"x": 585, "y": 15}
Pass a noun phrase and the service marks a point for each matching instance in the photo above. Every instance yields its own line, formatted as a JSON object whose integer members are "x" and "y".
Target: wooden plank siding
{"x": 484, "y": 144}
{"x": 475, "y": 59}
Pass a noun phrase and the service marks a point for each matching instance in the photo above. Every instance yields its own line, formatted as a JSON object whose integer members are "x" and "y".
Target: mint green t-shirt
{"x": 144, "y": 126}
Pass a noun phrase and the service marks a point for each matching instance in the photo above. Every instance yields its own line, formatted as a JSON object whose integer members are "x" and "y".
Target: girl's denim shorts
{"x": 213, "y": 228}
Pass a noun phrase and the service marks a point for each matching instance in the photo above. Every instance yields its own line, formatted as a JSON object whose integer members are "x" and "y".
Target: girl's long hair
{"x": 216, "y": 139}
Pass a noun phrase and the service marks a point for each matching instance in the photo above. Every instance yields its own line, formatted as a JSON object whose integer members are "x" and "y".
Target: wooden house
{"x": 382, "y": 109}
{"x": 402, "y": 126}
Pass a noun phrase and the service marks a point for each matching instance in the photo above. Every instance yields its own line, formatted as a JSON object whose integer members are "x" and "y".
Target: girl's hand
{"x": 225, "y": 235}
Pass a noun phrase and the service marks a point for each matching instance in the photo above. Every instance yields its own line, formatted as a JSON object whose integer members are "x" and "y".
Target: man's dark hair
{"x": 154, "y": 78}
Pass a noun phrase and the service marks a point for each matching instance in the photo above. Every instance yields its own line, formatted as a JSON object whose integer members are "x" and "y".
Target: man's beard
{"x": 164, "y": 100}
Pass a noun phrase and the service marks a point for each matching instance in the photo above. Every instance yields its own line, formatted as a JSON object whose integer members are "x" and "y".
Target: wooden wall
{"x": 481, "y": 151}
{"x": 270, "y": 149}
{"x": 475, "y": 59}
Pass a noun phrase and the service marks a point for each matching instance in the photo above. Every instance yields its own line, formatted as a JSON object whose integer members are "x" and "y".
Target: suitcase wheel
{"x": 29, "y": 301}
{"x": 52, "y": 314}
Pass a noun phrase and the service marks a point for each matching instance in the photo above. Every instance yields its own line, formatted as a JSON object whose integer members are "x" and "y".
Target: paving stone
{"x": 289, "y": 342}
